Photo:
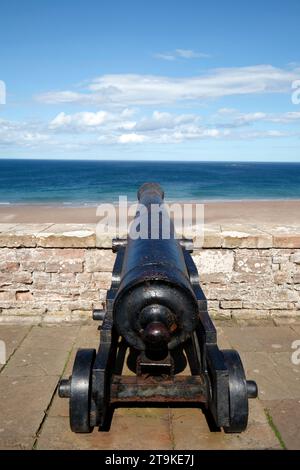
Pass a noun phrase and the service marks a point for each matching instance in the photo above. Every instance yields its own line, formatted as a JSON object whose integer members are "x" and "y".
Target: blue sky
{"x": 185, "y": 80}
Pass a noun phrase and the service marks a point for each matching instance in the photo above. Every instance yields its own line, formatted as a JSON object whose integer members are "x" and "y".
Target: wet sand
{"x": 285, "y": 212}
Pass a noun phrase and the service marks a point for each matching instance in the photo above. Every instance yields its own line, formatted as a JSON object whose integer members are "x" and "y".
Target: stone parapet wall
{"x": 59, "y": 273}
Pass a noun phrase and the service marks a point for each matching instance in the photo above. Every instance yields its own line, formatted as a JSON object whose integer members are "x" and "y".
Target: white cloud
{"x": 238, "y": 119}
{"x": 165, "y": 56}
{"x": 92, "y": 121}
{"x": 131, "y": 138}
{"x": 84, "y": 119}
{"x": 189, "y": 54}
{"x": 21, "y": 134}
{"x": 86, "y": 130}
{"x": 125, "y": 90}
{"x": 181, "y": 54}
{"x": 162, "y": 120}
{"x": 226, "y": 111}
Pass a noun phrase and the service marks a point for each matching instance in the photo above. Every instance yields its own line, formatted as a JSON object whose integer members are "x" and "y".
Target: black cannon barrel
{"x": 155, "y": 305}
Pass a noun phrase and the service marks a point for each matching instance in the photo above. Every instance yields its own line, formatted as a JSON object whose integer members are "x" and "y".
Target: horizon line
{"x": 117, "y": 160}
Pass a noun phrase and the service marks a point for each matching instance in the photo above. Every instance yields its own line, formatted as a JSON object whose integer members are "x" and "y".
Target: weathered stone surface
{"x": 272, "y": 385}
{"x": 22, "y": 408}
{"x": 212, "y": 237}
{"x": 285, "y": 313}
{"x": 249, "y": 262}
{"x": 220, "y": 314}
{"x": 286, "y": 418}
{"x": 295, "y": 257}
{"x": 296, "y": 278}
{"x": 289, "y": 372}
{"x": 12, "y": 337}
{"x": 24, "y": 296}
{"x": 214, "y": 261}
{"x": 268, "y": 305}
{"x": 20, "y": 310}
{"x": 22, "y": 235}
{"x": 32, "y": 361}
{"x": 27, "y": 401}
{"x": 251, "y": 276}
{"x": 10, "y": 266}
{"x": 190, "y": 431}
{"x": 127, "y": 432}
{"x": 231, "y": 304}
{"x": 7, "y": 227}
{"x": 70, "y": 266}
{"x": 245, "y": 314}
{"x": 260, "y": 338}
{"x": 99, "y": 260}
{"x": 285, "y": 236}
{"x": 7, "y": 296}
{"x": 68, "y": 235}
{"x": 245, "y": 236}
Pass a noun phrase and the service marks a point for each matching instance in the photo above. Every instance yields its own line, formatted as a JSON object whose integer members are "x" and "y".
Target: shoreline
{"x": 67, "y": 205}
{"x": 273, "y": 211}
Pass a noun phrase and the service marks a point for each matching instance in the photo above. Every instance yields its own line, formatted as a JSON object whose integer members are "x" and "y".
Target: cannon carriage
{"x": 156, "y": 321}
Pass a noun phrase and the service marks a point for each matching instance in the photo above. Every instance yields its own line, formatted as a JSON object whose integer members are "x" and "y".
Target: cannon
{"x": 156, "y": 327}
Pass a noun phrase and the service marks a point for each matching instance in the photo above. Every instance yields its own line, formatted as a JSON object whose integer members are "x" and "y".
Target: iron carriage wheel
{"x": 80, "y": 391}
{"x": 239, "y": 390}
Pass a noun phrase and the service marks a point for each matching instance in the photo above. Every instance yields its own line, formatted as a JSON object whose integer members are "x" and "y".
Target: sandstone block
{"x": 33, "y": 266}
{"x": 7, "y": 319}
{"x": 231, "y": 304}
{"x": 22, "y": 277}
{"x": 212, "y": 237}
{"x": 83, "y": 278}
{"x": 281, "y": 277}
{"x": 246, "y": 262}
{"x": 214, "y": 261}
{"x": 29, "y": 311}
{"x": 245, "y": 236}
{"x": 215, "y": 278}
{"x": 296, "y": 278}
{"x": 295, "y": 258}
{"x": 22, "y": 235}
{"x": 267, "y": 305}
{"x": 25, "y": 296}
{"x": 9, "y": 266}
{"x": 285, "y": 236}
{"x": 7, "y": 296}
{"x": 285, "y": 313}
{"x": 220, "y": 314}
{"x": 245, "y": 314}
{"x": 65, "y": 278}
{"x": 5, "y": 280}
{"x": 102, "y": 280}
{"x": 69, "y": 266}
{"x": 67, "y": 236}
{"x": 80, "y": 315}
{"x": 57, "y": 317}
{"x": 99, "y": 260}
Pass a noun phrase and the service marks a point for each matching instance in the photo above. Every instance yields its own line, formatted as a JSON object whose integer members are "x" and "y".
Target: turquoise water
{"x": 90, "y": 182}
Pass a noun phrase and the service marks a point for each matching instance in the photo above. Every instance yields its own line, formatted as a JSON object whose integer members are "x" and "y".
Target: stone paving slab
{"x": 12, "y": 337}
{"x": 43, "y": 352}
{"x": 22, "y": 408}
{"x": 33, "y": 416}
{"x": 257, "y": 339}
{"x": 260, "y": 367}
{"x": 286, "y": 417}
{"x": 191, "y": 431}
{"x": 127, "y": 432}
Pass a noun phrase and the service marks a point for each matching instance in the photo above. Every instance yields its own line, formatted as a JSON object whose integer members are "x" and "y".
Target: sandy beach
{"x": 286, "y": 212}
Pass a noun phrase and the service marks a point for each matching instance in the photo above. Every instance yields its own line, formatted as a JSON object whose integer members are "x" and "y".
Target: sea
{"x": 87, "y": 183}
